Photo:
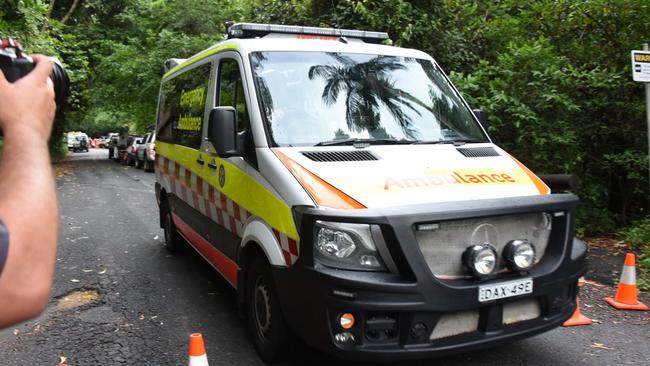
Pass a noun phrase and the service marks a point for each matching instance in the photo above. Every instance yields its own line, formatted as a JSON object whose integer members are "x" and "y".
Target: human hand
{"x": 27, "y": 106}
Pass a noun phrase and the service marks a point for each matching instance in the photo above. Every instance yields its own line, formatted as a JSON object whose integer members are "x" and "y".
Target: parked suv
{"x": 146, "y": 154}
{"x": 348, "y": 193}
{"x": 131, "y": 148}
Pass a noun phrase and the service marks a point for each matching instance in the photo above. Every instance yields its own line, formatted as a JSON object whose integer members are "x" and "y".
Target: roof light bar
{"x": 173, "y": 62}
{"x": 252, "y": 30}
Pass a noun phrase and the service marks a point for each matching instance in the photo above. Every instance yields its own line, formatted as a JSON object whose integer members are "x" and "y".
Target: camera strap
{"x": 4, "y": 244}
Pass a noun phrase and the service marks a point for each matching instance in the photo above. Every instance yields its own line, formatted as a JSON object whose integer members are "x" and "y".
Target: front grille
{"x": 442, "y": 243}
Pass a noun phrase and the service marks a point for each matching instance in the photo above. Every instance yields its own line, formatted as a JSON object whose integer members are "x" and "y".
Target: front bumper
{"x": 396, "y": 313}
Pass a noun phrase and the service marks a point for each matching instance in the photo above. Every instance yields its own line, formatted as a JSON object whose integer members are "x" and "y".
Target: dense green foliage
{"x": 638, "y": 235}
{"x": 553, "y": 75}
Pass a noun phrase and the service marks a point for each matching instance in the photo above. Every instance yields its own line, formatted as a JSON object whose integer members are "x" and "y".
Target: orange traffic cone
{"x": 198, "y": 357}
{"x": 577, "y": 318}
{"x": 626, "y": 294}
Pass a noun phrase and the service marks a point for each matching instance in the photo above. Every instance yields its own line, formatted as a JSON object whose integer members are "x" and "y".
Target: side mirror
{"x": 482, "y": 118}
{"x": 560, "y": 182}
{"x": 222, "y": 132}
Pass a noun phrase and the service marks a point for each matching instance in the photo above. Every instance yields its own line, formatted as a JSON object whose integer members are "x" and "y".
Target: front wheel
{"x": 265, "y": 320}
{"x": 148, "y": 165}
{"x": 173, "y": 240}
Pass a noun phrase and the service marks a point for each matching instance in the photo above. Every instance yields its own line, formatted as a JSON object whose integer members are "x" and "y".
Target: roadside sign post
{"x": 647, "y": 109}
{"x": 641, "y": 73}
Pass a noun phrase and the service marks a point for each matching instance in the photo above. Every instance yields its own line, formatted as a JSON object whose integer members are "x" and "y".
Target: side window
{"x": 180, "y": 118}
{"x": 231, "y": 92}
{"x": 167, "y": 112}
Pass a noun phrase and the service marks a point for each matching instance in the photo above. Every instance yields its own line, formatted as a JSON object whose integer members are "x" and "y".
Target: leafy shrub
{"x": 639, "y": 236}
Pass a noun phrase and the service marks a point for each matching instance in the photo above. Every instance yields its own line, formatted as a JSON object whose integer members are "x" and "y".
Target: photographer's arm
{"x": 28, "y": 203}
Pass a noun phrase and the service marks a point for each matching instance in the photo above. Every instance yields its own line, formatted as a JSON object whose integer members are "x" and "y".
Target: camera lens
{"x": 61, "y": 83}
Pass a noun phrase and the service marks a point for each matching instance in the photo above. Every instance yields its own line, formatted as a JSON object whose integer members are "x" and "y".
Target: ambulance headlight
{"x": 480, "y": 259}
{"x": 519, "y": 254}
{"x": 346, "y": 246}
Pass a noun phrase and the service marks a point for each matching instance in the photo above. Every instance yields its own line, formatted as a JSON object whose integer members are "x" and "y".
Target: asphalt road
{"x": 120, "y": 298}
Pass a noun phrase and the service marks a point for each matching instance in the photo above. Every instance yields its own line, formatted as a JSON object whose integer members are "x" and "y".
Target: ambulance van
{"x": 350, "y": 195}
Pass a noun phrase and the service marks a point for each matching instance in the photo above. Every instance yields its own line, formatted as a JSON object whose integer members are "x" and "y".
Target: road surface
{"x": 120, "y": 298}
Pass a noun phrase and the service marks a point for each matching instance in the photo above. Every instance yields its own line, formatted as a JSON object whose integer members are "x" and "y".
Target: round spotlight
{"x": 480, "y": 259}
{"x": 519, "y": 254}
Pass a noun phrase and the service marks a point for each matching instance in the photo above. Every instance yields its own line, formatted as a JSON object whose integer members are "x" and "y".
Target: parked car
{"x": 146, "y": 154}
{"x": 131, "y": 148}
{"x": 82, "y": 143}
{"x": 74, "y": 141}
{"x": 119, "y": 143}
{"x": 70, "y": 139}
{"x": 112, "y": 145}
{"x": 104, "y": 141}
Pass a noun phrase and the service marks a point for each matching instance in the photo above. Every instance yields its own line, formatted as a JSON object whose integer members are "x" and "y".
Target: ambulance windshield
{"x": 311, "y": 98}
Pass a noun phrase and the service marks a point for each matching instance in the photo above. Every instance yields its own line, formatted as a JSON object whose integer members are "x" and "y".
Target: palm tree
{"x": 366, "y": 86}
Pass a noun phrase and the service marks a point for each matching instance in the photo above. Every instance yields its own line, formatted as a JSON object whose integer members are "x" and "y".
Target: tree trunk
{"x": 69, "y": 13}
{"x": 50, "y": 9}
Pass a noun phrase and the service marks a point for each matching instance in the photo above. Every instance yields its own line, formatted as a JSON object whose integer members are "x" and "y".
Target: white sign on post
{"x": 641, "y": 66}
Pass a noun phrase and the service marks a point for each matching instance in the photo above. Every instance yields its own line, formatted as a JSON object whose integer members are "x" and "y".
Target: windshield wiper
{"x": 456, "y": 142}
{"x": 354, "y": 141}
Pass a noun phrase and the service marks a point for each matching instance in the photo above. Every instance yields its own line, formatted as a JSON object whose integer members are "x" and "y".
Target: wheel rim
{"x": 262, "y": 303}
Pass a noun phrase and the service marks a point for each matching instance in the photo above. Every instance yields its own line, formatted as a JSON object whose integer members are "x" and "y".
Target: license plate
{"x": 505, "y": 289}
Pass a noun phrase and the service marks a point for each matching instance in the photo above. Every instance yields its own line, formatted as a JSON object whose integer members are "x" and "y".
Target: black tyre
{"x": 148, "y": 165}
{"x": 266, "y": 322}
{"x": 173, "y": 240}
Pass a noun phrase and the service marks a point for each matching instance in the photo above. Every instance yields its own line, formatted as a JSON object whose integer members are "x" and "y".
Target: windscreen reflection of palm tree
{"x": 366, "y": 85}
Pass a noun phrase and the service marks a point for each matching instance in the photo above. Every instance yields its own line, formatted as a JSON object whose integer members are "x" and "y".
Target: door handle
{"x": 212, "y": 164}
{"x": 200, "y": 160}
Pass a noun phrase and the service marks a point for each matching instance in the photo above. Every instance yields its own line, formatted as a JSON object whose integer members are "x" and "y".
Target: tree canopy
{"x": 554, "y": 76}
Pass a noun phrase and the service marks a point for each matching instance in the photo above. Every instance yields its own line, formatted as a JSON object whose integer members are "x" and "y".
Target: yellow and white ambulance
{"x": 351, "y": 196}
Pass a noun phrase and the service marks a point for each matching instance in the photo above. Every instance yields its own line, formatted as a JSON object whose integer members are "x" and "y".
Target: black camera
{"x": 15, "y": 64}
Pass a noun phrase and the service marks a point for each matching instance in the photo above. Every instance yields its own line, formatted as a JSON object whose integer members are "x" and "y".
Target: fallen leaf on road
{"x": 153, "y": 317}
{"x": 87, "y": 270}
{"x": 141, "y": 317}
{"x": 16, "y": 332}
{"x": 600, "y": 345}
{"x": 155, "y": 237}
{"x": 593, "y": 283}
{"x": 103, "y": 271}
{"x": 76, "y": 299}
{"x": 62, "y": 361}
{"x": 74, "y": 280}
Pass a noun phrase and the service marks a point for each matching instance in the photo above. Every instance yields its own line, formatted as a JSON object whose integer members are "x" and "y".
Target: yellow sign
{"x": 641, "y": 57}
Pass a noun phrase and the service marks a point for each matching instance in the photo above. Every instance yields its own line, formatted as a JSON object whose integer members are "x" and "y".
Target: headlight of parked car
{"x": 346, "y": 246}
